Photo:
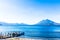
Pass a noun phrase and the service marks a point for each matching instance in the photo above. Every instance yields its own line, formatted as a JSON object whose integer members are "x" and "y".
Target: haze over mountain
{"x": 11, "y": 24}
{"x": 47, "y": 22}
{"x": 43, "y": 22}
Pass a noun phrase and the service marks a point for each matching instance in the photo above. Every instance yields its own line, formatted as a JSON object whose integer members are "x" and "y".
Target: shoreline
{"x": 31, "y": 39}
{"x": 24, "y": 39}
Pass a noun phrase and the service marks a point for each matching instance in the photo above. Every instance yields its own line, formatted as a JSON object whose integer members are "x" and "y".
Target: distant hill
{"x": 43, "y": 22}
{"x": 47, "y": 22}
{"x": 12, "y": 24}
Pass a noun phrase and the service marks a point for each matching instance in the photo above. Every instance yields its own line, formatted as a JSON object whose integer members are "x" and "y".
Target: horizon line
{"x": 27, "y": 23}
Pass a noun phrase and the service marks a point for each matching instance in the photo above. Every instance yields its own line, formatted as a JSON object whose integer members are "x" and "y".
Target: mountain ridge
{"x": 43, "y": 22}
{"x": 46, "y": 22}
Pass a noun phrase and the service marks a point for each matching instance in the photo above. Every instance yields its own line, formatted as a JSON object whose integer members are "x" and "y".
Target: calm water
{"x": 34, "y": 31}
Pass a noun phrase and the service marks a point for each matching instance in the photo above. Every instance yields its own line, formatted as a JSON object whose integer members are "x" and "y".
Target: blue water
{"x": 34, "y": 31}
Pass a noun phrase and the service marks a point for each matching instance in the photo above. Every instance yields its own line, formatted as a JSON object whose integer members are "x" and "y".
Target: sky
{"x": 29, "y": 11}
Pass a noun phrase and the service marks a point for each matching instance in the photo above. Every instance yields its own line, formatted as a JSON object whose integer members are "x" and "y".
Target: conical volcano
{"x": 46, "y": 22}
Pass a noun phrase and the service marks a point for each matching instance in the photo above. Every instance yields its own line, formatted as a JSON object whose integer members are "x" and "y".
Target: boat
{"x": 11, "y": 34}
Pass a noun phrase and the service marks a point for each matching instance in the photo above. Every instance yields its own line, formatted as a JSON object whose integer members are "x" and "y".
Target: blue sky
{"x": 29, "y": 11}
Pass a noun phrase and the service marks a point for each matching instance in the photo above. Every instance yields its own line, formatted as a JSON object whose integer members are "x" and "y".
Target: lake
{"x": 35, "y": 31}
